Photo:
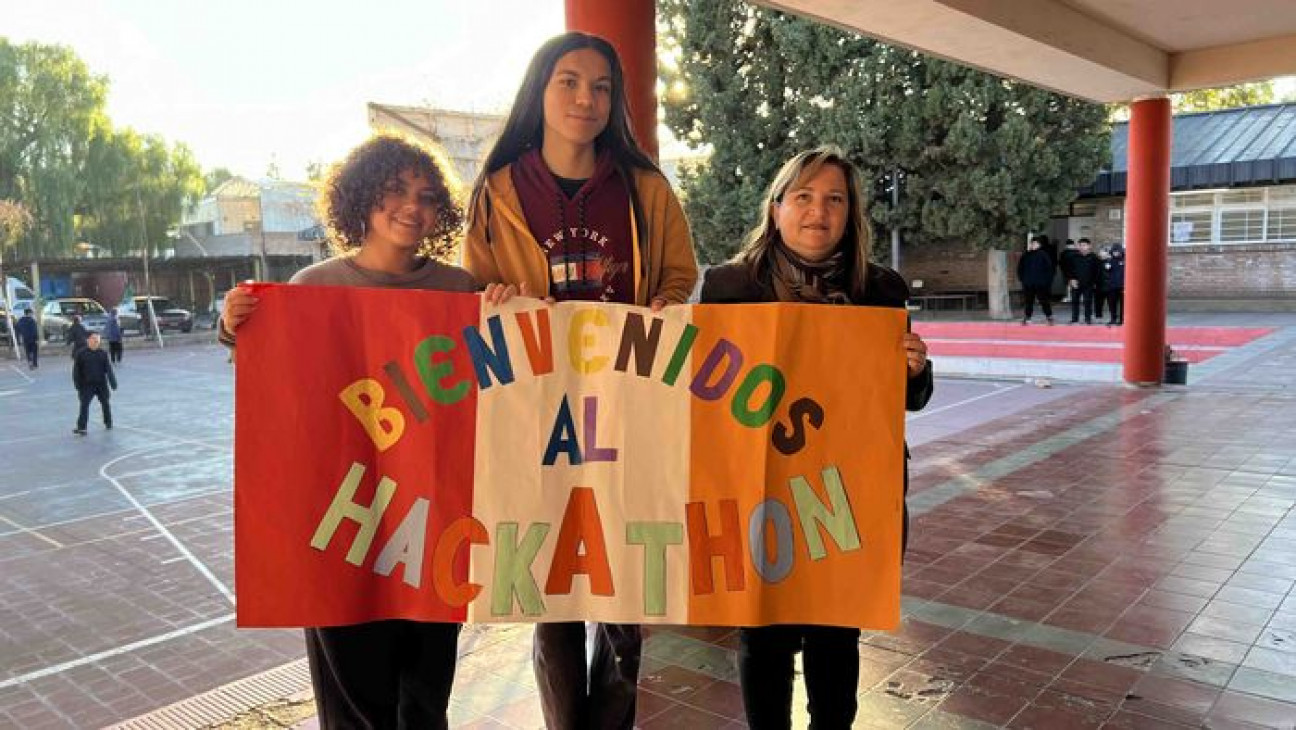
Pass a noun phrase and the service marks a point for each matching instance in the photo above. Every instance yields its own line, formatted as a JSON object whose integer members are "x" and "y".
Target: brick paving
{"x": 1085, "y": 556}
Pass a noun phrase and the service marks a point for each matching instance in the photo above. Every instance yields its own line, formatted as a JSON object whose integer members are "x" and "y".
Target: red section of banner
{"x": 341, "y": 437}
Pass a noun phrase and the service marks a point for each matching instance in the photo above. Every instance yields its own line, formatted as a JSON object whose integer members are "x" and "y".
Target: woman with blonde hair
{"x": 811, "y": 245}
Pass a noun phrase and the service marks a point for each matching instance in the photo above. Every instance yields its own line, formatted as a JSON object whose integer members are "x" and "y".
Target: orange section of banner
{"x": 795, "y": 517}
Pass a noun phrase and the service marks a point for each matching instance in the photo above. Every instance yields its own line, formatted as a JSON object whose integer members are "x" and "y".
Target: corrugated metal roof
{"x": 1236, "y": 147}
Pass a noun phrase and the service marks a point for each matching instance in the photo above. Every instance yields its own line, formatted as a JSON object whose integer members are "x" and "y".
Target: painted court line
{"x": 934, "y": 411}
{"x": 108, "y": 654}
{"x": 113, "y": 513}
{"x": 25, "y": 376}
{"x": 176, "y": 439}
{"x": 175, "y": 542}
{"x": 30, "y": 531}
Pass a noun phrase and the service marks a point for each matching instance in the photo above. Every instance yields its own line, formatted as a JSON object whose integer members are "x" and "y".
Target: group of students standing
{"x": 568, "y": 207}
{"x": 1092, "y": 279}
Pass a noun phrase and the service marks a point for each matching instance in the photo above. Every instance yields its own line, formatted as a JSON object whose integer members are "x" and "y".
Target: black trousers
{"x": 33, "y": 353}
{"x": 1116, "y": 306}
{"x": 603, "y": 700}
{"x": 1030, "y": 295}
{"x": 87, "y": 394}
{"x": 1100, "y": 298}
{"x": 383, "y": 674}
{"x": 830, "y": 658}
{"x": 1079, "y": 293}
{"x": 114, "y": 351}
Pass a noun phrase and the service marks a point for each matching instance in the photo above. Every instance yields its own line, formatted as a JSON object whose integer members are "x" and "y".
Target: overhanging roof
{"x": 1102, "y": 50}
{"x": 1235, "y": 147}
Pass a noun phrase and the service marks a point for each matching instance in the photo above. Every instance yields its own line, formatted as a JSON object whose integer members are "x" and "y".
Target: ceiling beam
{"x": 1233, "y": 64}
{"x": 1042, "y": 42}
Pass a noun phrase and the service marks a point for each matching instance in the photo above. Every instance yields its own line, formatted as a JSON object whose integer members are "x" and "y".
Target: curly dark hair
{"x": 354, "y": 188}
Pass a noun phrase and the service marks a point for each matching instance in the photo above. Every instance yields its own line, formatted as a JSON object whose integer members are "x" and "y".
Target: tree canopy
{"x": 79, "y": 177}
{"x": 979, "y": 159}
{"x": 1229, "y": 97}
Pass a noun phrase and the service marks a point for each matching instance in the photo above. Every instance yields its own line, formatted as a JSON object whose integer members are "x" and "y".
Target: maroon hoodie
{"x": 586, "y": 236}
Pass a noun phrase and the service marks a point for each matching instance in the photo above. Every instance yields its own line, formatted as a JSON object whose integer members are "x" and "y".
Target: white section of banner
{"x": 644, "y": 420}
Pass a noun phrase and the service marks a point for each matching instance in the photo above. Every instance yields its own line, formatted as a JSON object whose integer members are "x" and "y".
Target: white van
{"x": 18, "y": 295}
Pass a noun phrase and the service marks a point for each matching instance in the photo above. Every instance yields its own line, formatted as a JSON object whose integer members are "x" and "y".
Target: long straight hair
{"x": 524, "y": 129}
{"x": 857, "y": 239}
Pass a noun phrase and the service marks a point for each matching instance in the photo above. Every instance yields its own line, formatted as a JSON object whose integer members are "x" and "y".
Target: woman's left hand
{"x": 497, "y": 294}
{"x": 915, "y": 353}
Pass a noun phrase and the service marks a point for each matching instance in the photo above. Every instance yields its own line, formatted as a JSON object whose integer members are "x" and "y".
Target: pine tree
{"x": 980, "y": 160}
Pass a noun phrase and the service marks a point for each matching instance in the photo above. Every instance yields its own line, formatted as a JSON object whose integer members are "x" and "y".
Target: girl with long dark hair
{"x": 568, "y": 205}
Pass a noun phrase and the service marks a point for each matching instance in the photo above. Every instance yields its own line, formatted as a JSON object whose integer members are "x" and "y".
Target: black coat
{"x": 1035, "y": 270}
{"x": 92, "y": 369}
{"x": 76, "y": 336}
{"x": 1086, "y": 269}
{"x": 27, "y": 333}
{"x": 1114, "y": 270}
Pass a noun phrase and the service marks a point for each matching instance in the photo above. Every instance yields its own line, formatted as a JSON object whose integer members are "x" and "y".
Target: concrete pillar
{"x": 631, "y": 27}
{"x": 1147, "y": 211}
{"x": 997, "y": 294}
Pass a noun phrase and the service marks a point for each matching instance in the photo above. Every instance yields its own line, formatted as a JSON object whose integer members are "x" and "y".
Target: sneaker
{"x": 79, "y": 431}
{"x": 108, "y": 426}
{"x": 1050, "y": 321}
{"x": 1025, "y": 322}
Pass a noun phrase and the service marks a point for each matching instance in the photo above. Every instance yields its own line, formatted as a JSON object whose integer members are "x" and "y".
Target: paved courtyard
{"x": 1082, "y": 556}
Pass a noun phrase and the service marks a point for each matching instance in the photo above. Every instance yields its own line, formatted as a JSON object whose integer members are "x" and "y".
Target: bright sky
{"x": 248, "y": 82}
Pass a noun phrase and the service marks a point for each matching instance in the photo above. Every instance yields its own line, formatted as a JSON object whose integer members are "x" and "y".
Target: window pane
{"x": 1190, "y": 227}
{"x": 1282, "y": 224}
{"x": 1192, "y": 200}
{"x": 1245, "y": 224}
{"x": 1249, "y": 195}
{"x": 1283, "y": 196}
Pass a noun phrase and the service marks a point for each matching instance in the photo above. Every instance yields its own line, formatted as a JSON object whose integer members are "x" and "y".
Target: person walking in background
{"x": 1115, "y": 269}
{"x": 113, "y": 333}
{"x": 568, "y": 205}
{"x": 76, "y": 335}
{"x": 92, "y": 375}
{"x": 29, "y": 337}
{"x": 1082, "y": 279}
{"x": 1035, "y": 272}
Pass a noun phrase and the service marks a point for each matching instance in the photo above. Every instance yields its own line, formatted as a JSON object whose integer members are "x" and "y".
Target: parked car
{"x": 56, "y": 316}
{"x": 133, "y": 314}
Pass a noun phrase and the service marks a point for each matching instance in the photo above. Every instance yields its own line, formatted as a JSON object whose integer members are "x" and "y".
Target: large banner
{"x": 423, "y": 455}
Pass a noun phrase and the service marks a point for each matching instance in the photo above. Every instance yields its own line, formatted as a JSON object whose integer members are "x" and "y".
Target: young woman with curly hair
{"x": 389, "y": 207}
{"x": 568, "y": 205}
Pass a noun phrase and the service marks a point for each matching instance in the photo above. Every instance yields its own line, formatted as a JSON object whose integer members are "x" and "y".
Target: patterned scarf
{"x": 812, "y": 282}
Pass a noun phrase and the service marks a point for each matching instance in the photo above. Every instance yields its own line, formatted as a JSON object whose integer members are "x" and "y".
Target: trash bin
{"x": 1176, "y": 372}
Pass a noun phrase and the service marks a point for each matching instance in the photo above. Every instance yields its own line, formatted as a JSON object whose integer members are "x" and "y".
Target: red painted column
{"x": 1147, "y": 223}
{"x": 631, "y": 27}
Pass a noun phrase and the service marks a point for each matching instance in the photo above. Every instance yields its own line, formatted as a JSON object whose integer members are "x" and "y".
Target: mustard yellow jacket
{"x": 499, "y": 247}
